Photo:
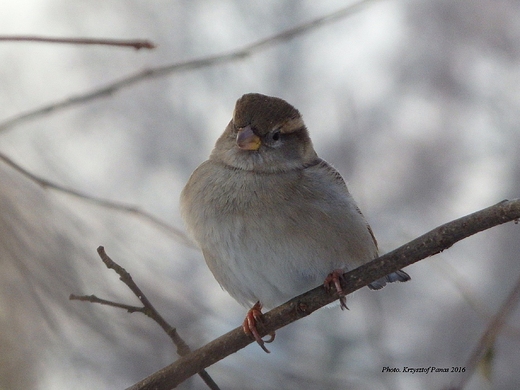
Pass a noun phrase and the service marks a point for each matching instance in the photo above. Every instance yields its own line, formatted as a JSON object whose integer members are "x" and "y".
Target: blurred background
{"x": 415, "y": 102}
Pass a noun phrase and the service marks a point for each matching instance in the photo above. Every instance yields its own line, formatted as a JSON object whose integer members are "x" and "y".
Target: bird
{"x": 272, "y": 219}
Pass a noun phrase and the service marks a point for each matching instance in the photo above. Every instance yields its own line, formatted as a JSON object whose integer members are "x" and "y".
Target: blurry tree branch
{"x": 488, "y": 337}
{"x": 134, "y": 43}
{"x": 148, "y": 309}
{"x": 429, "y": 244}
{"x": 177, "y": 233}
{"x": 470, "y": 296}
{"x": 146, "y": 74}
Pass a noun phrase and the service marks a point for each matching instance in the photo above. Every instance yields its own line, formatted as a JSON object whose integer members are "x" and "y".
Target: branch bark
{"x": 429, "y": 244}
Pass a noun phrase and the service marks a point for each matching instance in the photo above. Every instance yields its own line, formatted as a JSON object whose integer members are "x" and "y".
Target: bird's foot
{"x": 334, "y": 280}
{"x": 254, "y": 315}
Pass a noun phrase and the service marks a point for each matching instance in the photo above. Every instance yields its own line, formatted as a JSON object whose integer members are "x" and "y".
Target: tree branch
{"x": 94, "y": 299}
{"x": 203, "y": 62}
{"x": 127, "y": 208}
{"x": 488, "y": 337}
{"x": 429, "y": 244}
{"x": 148, "y": 309}
{"x": 136, "y": 44}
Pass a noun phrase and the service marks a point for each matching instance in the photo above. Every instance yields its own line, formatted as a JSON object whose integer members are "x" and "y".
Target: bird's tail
{"x": 398, "y": 276}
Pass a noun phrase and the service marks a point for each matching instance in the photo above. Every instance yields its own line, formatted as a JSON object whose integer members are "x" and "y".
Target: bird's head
{"x": 266, "y": 134}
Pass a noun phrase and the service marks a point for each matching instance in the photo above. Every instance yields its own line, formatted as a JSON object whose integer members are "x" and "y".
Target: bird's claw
{"x": 334, "y": 280}
{"x": 254, "y": 315}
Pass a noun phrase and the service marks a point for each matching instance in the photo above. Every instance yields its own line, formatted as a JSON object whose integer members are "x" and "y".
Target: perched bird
{"x": 272, "y": 219}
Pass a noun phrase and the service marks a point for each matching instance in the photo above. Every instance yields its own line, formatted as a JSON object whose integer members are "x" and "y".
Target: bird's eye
{"x": 275, "y": 135}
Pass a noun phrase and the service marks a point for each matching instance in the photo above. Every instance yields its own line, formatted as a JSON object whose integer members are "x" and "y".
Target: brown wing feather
{"x": 335, "y": 175}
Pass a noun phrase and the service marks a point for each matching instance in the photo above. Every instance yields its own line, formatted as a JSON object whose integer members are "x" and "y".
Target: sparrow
{"x": 274, "y": 220}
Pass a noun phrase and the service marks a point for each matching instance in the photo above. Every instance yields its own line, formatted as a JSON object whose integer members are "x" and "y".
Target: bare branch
{"x": 473, "y": 301}
{"x": 178, "y": 234}
{"x": 126, "y": 278}
{"x": 147, "y": 74}
{"x": 94, "y": 299}
{"x": 489, "y": 336}
{"x": 426, "y": 245}
{"x": 148, "y": 309}
{"x": 136, "y": 44}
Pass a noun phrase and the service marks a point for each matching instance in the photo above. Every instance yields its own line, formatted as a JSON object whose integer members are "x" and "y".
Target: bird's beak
{"x": 247, "y": 139}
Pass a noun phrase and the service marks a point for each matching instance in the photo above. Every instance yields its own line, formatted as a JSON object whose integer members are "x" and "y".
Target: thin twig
{"x": 148, "y": 309}
{"x": 147, "y": 74}
{"x": 94, "y": 299}
{"x": 489, "y": 336}
{"x": 426, "y": 245}
{"x": 136, "y": 44}
{"x": 126, "y": 278}
{"x": 469, "y": 296}
{"x": 100, "y": 201}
